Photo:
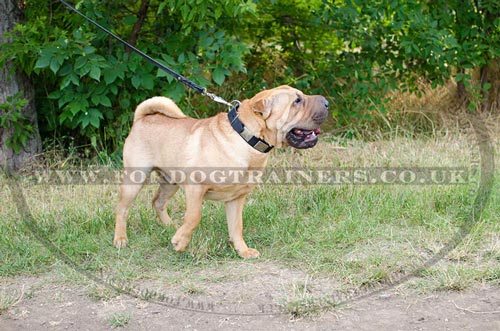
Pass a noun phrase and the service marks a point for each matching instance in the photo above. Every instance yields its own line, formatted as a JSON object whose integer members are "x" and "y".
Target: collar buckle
{"x": 256, "y": 142}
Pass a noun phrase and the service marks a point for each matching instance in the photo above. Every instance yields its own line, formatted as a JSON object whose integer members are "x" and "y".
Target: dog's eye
{"x": 298, "y": 100}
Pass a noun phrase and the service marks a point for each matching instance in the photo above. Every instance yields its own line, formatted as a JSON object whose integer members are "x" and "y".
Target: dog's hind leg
{"x": 128, "y": 191}
{"x": 165, "y": 192}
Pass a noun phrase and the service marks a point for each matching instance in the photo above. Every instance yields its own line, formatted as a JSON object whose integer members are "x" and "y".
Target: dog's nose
{"x": 325, "y": 102}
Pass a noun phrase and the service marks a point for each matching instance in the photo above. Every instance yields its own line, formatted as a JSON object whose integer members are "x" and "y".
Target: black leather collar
{"x": 257, "y": 143}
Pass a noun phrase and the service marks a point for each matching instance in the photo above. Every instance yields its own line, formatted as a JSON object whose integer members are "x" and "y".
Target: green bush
{"x": 353, "y": 52}
{"x": 88, "y": 85}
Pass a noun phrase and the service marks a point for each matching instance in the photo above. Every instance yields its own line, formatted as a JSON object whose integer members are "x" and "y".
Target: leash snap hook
{"x": 216, "y": 98}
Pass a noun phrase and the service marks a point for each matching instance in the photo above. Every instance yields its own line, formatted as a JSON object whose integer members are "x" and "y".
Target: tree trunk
{"x": 141, "y": 16}
{"x": 11, "y": 83}
{"x": 491, "y": 74}
{"x": 462, "y": 91}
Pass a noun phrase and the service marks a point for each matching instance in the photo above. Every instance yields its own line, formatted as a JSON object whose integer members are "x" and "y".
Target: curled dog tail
{"x": 158, "y": 105}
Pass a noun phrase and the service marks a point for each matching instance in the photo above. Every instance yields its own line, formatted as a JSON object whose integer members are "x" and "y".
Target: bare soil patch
{"x": 44, "y": 303}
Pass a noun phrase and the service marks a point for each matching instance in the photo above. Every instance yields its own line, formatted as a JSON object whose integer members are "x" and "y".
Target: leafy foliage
{"x": 88, "y": 85}
{"x": 356, "y": 51}
{"x": 12, "y": 118}
{"x": 352, "y": 51}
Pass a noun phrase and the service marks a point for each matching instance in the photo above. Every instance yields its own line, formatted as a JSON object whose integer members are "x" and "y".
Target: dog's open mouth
{"x": 302, "y": 138}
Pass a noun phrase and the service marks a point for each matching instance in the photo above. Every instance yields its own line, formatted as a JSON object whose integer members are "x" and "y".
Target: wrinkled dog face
{"x": 293, "y": 116}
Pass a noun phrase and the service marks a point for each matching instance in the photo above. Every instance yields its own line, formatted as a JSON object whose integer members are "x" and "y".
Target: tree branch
{"x": 141, "y": 16}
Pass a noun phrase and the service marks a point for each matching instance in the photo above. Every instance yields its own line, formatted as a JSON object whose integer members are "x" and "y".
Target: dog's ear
{"x": 262, "y": 104}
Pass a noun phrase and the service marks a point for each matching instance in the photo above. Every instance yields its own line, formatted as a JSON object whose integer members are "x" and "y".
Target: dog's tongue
{"x": 307, "y": 132}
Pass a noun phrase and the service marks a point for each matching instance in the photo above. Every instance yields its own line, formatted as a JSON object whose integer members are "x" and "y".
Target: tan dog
{"x": 163, "y": 138}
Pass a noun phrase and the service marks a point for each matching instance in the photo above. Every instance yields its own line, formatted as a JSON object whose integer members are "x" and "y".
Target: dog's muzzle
{"x": 307, "y": 136}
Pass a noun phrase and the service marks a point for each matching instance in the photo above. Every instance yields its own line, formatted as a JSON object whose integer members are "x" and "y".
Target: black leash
{"x": 171, "y": 72}
{"x": 257, "y": 143}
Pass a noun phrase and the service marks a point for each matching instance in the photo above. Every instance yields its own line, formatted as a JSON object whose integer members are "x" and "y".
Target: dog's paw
{"x": 180, "y": 242}
{"x": 120, "y": 242}
{"x": 250, "y": 253}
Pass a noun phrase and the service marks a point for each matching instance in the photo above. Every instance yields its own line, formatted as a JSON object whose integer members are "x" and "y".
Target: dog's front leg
{"x": 234, "y": 215}
{"x": 194, "y": 202}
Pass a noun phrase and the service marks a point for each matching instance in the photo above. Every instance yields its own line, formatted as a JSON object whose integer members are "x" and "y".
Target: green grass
{"x": 11, "y": 297}
{"x": 119, "y": 320}
{"x": 361, "y": 236}
{"x": 100, "y": 293}
{"x": 8, "y": 300}
{"x": 300, "y": 302}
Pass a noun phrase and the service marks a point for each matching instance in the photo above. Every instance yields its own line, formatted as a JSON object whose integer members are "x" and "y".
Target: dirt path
{"x": 52, "y": 306}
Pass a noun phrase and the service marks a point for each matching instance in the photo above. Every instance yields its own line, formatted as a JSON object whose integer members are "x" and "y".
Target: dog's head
{"x": 286, "y": 116}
